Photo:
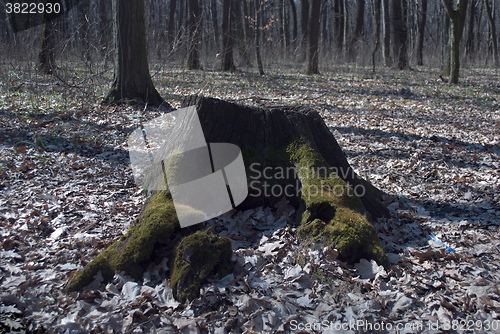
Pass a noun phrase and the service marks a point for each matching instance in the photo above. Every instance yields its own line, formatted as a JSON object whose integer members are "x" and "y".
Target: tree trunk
{"x": 46, "y": 56}
{"x": 215, "y": 23}
{"x": 194, "y": 26}
{"x": 457, "y": 17}
{"x": 470, "y": 43}
{"x": 421, "y": 30}
{"x": 377, "y": 13}
{"x": 387, "y": 34}
{"x": 171, "y": 23}
{"x": 338, "y": 24}
{"x": 132, "y": 81}
{"x": 313, "y": 40}
{"x": 241, "y": 33}
{"x": 84, "y": 28}
{"x": 399, "y": 34}
{"x": 358, "y": 28}
{"x": 227, "y": 37}
{"x": 293, "y": 9}
{"x": 257, "y": 32}
{"x": 493, "y": 32}
{"x": 304, "y": 22}
{"x": 288, "y": 148}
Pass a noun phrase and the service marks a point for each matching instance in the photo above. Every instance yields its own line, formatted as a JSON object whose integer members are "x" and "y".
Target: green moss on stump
{"x": 195, "y": 258}
{"x": 333, "y": 212}
{"x": 350, "y": 233}
{"x": 154, "y": 226}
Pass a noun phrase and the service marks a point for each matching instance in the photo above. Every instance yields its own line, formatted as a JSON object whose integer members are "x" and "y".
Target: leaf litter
{"x": 68, "y": 193}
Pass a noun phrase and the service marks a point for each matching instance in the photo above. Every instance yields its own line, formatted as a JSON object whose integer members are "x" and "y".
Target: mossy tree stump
{"x": 288, "y": 152}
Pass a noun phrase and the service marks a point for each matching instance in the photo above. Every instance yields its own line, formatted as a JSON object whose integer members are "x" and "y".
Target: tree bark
{"x": 304, "y": 22}
{"x": 46, "y": 56}
{"x": 132, "y": 81}
{"x": 399, "y": 34}
{"x": 215, "y": 23}
{"x": 387, "y": 34}
{"x": 227, "y": 36}
{"x": 171, "y": 23}
{"x": 493, "y": 32}
{"x": 293, "y": 9}
{"x": 457, "y": 16}
{"x": 257, "y": 32}
{"x": 241, "y": 33}
{"x": 194, "y": 26}
{"x": 470, "y": 43}
{"x": 338, "y": 24}
{"x": 313, "y": 40}
{"x": 377, "y": 13}
{"x": 358, "y": 28}
{"x": 421, "y": 30}
{"x": 84, "y": 29}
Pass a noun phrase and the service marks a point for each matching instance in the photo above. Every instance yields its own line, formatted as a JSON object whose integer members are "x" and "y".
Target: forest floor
{"x": 67, "y": 192}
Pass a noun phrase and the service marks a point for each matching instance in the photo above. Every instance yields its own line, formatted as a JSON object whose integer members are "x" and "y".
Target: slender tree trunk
{"x": 493, "y": 32}
{"x": 470, "y": 43}
{"x": 399, "y": 33}
{"x": 194, "y": 26}
{"x": 421, "y": 30}
{"x": 313, "y": 40}
{"x": 346, "y": 23}
{"x": 286, "y": 26}
{"x": 180, "y": 23}
{"x": 457, "y": 17}
{"x": 241, "y": 34}
{"x": 445, "y": 45}
{"x": 105, "y": 28}
{"x": 46, "y": 56}
{"x": 293, "y": 9}
{"x": 83, "y": 18}
{"x": 227, "y": 37}
{"x": 377, "y": 13}
{"x": 281, "y": 25}
{"x": 132, "y": 80}
{"x": 257, "y": 32}
{"x": 387, "y": 34}
{"x": 358, "y": 28}
{"x": 338, "y": 24}
{"x": 304, "y": 22}
{"x": 171, "y": 23}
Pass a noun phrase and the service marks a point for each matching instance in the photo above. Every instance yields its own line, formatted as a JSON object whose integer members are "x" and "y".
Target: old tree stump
{"x": 334, "y": 206}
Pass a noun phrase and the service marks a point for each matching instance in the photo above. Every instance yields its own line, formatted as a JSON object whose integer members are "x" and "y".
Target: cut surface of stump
{"x": 288, "y": 153}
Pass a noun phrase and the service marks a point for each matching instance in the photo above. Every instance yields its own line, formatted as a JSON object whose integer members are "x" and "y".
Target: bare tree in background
{"x": 493, "y": 32}
{"x": 457, "y": 15}
{"x": 313, "y": 37}
{"x": 399, "y": 34}
{"x": 171, "y": 23}
{"x": 132, "y": 81}
{"x": 358, "y": 28}
{"x": 304, "y": 22}
{"x": 194, "y": 20}
{"x": 257, "y": 32}
{"x": 377, "y": 8}
{"x": 293, "y": 10}
{"x": 338, "y": 24}
{"x": 46, "y": 56}
{"x": 387, "y": 33}
{"x": 421, "y": 30}
{"x": 227, "y": 37}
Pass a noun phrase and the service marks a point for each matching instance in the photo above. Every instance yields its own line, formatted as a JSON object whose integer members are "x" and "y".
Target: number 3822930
{"x": 32, "y": 8}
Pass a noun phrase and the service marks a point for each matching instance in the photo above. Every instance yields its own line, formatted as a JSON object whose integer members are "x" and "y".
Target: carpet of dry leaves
{"x": 67, "y": 192}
